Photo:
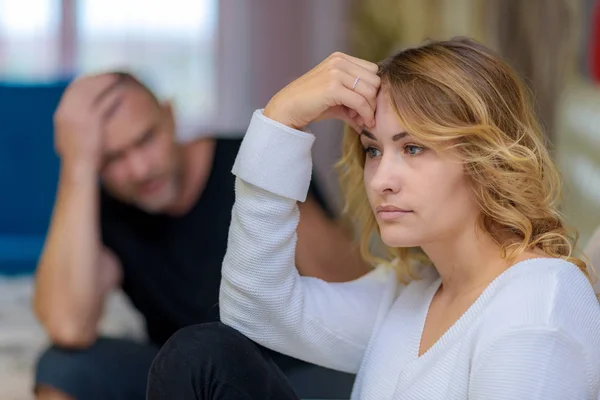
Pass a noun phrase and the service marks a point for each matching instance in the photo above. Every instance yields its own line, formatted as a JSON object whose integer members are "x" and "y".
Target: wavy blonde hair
{"x": 459, "y": 94}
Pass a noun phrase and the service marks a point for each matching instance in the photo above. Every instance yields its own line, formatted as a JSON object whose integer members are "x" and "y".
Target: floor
{"x": 22, "y": 338}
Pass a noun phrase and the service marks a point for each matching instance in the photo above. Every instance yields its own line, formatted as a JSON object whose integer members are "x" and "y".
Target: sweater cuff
{"x": 275, "y": 157}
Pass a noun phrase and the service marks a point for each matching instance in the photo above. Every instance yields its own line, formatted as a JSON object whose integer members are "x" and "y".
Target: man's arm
{"x": 325, "y": 250}
{"x": 75, "y": 273}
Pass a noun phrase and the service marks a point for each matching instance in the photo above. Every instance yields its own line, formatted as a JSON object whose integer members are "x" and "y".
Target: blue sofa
{"x": 28, "y": 171}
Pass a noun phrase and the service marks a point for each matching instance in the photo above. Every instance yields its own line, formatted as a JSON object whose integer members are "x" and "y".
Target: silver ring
{"x": 355, "y": 82}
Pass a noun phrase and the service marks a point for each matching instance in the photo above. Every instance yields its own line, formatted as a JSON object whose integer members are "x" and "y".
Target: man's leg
{"x": 110, "y": 369}
{"x": 48, "y": 393}
{"x": 215, "y": 362}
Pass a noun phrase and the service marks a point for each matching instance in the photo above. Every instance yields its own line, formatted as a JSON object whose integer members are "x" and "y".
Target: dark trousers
{"x": 117, "y": 369}
{"x": 216, "y": 362}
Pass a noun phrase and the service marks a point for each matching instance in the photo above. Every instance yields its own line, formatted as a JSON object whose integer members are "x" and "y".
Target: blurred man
{"x": 136, "y": 210}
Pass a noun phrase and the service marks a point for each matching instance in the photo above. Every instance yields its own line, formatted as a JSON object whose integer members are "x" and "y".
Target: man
{"x": 156, "y": 226}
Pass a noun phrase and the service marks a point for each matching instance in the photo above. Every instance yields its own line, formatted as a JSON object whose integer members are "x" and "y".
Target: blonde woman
{"x": 447, "y": 158}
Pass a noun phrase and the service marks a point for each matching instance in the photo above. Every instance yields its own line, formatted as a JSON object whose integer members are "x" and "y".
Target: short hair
{"x": 127, "y": 79}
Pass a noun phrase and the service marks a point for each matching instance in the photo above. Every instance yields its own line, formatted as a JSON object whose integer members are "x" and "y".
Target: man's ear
{"x": 168, "y": 113}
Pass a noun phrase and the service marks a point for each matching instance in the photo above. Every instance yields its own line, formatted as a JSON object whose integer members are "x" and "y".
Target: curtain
{"x": 170, "y": 45}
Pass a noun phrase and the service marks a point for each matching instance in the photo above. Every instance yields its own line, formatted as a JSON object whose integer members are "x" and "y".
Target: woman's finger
{"x": 355, "y": 70}
{"x": 368, "y": 65}
{"x": 357, "y": 102}
{"x": 343, "y": 113}
{"x": 358, "y": 71}
{"x": 351, "y": 121}
{"x": 360, "y": 122}
{"x": 362, "y": 87}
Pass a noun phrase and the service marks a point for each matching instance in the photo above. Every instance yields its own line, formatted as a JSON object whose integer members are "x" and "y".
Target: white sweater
{"x": 533, "y": 334}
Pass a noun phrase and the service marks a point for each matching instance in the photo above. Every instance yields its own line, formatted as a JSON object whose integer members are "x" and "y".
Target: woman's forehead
{"x": 387, "y": 121}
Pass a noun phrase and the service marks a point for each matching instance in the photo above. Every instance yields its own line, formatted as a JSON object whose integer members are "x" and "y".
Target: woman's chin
{"x": 397, "y": 241}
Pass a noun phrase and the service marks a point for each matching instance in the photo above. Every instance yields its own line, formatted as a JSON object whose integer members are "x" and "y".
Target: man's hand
{"x": 78, "y": 120}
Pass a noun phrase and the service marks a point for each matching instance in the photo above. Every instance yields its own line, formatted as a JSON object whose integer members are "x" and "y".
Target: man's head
{"x": 141, "y": 162}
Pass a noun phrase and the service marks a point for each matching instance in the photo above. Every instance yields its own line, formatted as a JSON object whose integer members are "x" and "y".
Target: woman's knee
{"x": 208, "y": 358}
{"x": 211, "y": 330}
{"x": 193, "y": 356}
{"x": 205, "y": 342}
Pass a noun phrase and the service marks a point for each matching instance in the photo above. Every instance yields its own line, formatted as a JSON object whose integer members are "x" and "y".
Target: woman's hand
{"x": 341, "y": 87}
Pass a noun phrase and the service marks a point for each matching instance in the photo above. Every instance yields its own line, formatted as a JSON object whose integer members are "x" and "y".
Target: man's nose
{"x": 138, "y": 166}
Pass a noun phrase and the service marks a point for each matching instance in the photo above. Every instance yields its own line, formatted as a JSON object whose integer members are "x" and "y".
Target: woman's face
{"x": 418, "y": 196}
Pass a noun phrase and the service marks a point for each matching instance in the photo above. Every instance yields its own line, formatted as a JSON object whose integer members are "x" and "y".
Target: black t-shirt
{"x": 172, "y": 265}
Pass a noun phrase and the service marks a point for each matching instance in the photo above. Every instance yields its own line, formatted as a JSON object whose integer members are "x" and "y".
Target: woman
{"x": 450, "y": 159}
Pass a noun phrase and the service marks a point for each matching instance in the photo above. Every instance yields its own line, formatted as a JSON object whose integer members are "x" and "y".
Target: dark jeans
{"x": 216, "y": 362}
{"x": 117, "y": 369}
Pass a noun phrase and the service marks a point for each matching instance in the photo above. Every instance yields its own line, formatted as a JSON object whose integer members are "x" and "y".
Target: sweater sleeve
{"x": 532, "y": 364}
{"x": 262, "y": 295}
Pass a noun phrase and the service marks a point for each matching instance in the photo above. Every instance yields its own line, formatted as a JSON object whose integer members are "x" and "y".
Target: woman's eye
{"x": 372, "y": 152}
{"x": 413, "y": 149}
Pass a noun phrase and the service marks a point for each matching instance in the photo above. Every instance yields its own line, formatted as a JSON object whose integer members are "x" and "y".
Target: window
{"x": 169, "y": 44}
{"x": 29, "y": 39}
